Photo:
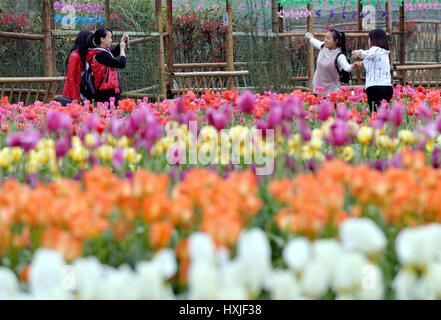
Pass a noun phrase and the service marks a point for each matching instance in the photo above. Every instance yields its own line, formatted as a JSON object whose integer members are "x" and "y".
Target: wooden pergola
{"x": 198, "y": 81}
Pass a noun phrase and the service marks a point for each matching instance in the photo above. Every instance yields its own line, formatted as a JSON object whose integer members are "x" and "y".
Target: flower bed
{"x": 350, "y": 209}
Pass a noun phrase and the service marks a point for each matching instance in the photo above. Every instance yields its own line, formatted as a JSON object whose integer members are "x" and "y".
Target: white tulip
{"x": 432, "y": 280}
{"x": 150, "y": 281}
{"x": 349, "y": 273}
{"x": 315, "y": 279}
{"x": 372, "y": 284}
{"x": 233, "y": 292}
{"x": 297, "y": 253}
{"x": 47, "y": 279}
{"x": 8, "y": 284}
{"x": 166, "y": 260}
{"x": 327, "y": 251}
{"x": 87, "y": 277}
{"x": 434, "y": 232}
{"x": 203, "y": 281}
{"x": 231, "y": 273}
{"x": 254, "y": 256}
{"x": 362, "y": 234}
{"x": 404, "y": 284}
{"x": 415, "y": 247}
{"x": 201, "y": 247}
{"x": 283, "y": 285}
{"x": 118, "y": 284}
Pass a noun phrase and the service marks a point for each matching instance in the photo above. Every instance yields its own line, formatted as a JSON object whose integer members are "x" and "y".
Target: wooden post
{"x": 437, "y": 42}
{"x": 107, "y": 12}
{"x": 274, "y": 18}
{"x": 310, "y": 60}
{"x": 169, "y": 48}
{"x": 230, "y": 44}
{"x": 402, "y": 44}
{"x": 280, "y": 20}
{"x": 48, "y": 45}
{"x": 357, "y": 41}
{"x": 162, "y": 87}
{"x": 389, "y": 32}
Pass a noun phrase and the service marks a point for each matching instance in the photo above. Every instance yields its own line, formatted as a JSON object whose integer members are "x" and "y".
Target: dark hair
{"x": 378, "y": 38}
{"x": 95, "y": 39}
{"x": 340, "y": 37}
{"x": 81, "y": 43}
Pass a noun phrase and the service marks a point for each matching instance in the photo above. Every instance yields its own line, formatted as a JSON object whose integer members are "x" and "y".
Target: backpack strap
{"x": 336, "y": 61}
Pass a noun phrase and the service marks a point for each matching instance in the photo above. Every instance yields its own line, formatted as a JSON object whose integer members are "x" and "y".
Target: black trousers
{"x": 105, "y": 95}
{"x": 377, "y": 93}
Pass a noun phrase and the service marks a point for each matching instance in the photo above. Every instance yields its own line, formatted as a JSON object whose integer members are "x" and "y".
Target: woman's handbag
{"x": 64, "y": 100}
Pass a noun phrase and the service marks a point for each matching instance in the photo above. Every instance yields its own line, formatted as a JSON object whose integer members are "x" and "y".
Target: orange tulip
{"x": 160, "y": 234}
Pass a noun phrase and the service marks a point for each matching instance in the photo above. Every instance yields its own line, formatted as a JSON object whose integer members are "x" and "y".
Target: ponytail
{"x": 342, "y": 43}
{"x": 95, "y": 39}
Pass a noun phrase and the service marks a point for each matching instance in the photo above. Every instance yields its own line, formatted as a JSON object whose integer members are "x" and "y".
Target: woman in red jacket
{"x": 75, "y": 65}
{"x": 105, "y": 66}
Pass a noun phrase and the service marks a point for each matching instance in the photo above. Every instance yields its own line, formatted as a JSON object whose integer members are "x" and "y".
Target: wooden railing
{"x": 199, "y": 82}
{"x": 199, "y": 77}
{"x": 427, "y": 76}
{"x": 39, "y": 87}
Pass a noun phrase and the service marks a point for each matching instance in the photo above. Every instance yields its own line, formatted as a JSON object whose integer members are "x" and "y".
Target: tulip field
{"x": 167, "y": 200}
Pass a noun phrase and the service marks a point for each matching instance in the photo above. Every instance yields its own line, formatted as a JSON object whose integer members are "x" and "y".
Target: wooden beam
{"x": 48, "y": 44}
{"x": 31, "y": 79}
{"x": 161, "y": 61}
{"x": 274, "y": 17}
{"x": 169, "y": 48}
{"x": 357, "y": 41}
{"x": 212, "y": 74}
{"x": 107, "y": 12}
{"x": 26, "y": 36}
{"x": 389, "y": 30}
{"x": 229, "y": 42}
{"x": 310, "y": 59}
{"x": 402, "y": 40}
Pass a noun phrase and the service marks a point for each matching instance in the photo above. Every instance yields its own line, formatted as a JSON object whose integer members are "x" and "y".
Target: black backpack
{"x": 87, "y": 85}
{"x": 344, "y": 75}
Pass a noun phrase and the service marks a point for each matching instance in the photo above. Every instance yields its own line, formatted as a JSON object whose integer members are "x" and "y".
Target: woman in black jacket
{"x": 105, "y": 66}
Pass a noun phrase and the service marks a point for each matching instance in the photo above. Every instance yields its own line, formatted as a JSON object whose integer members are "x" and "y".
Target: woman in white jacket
{"x": 376, "y": 62}
{"x": 333, "y": 47}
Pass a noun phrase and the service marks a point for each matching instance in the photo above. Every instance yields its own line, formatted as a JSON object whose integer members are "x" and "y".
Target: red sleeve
{"x": 72, "y": 84}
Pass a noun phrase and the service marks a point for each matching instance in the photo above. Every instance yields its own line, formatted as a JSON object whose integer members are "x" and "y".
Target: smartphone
{"x": 306, "y": 35}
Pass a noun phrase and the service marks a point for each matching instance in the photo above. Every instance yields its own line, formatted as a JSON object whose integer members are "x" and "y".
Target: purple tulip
{"x": 57, "y": 120}
{"x": 343, "y": 113}
{"x": 246, "y": 102}
{"x": 27, "y": 139}
{"x": 312, "y": 165}
{"x": 329, "y": 156}
{"x": 299, "y": 112}
{"x": 290, "y": 162}
{"x": 339, "y": 133}
{"x": 429, "y": 130}
{"x": 291, "y": 107}
{"x": 382, "y": 114}
{"x": 118, "y": 158}
{"x": 324, "y": 110}
{"x": 423, "y": 111}
{"x": 117, "y": 127}
{"x": 396, "y": 114}
{"x": 286, "y": 129}
{"x": 435, "y": 158}
{"x": 304, "y": 130}
{"x": 32, "y": 179}
{"x": 219, "y": 118}
{"x": 275, "y": 116}
{"x": 62, "y": 146}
